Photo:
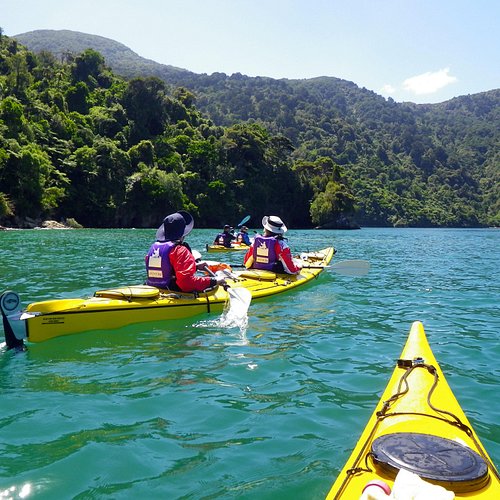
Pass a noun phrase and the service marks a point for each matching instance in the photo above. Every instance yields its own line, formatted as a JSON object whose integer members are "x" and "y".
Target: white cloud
{"x": 387, "y": 89}
{"x": 428, "y": 83}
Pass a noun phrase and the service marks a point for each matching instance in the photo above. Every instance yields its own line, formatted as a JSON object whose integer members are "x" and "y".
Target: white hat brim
{"x": 274, "y": 229}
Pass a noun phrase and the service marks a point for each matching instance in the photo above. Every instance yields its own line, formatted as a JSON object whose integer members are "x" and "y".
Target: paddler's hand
{"x": 220, "y": 278}
{"x": 221, "y": 281}
{"x": 201, "y": 266}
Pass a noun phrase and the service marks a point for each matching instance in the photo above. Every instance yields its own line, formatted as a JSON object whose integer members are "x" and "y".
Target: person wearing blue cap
{"x": 170, "y": 263}
{"x": 226, "y": 237}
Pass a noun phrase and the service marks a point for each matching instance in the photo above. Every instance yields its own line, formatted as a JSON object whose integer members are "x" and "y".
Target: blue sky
{"x": 423, "y": 51}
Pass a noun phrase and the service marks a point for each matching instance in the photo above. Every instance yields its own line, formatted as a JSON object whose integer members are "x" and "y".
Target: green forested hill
{"x": 123, "y": 61}
{"x": 78, "y": 142}
{"x": 343, "y": 149}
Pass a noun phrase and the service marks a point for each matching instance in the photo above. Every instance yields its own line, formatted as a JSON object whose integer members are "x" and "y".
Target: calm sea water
{"x": 186, "y": 409}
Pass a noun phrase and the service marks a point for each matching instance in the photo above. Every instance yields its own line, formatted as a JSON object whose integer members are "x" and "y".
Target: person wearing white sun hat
{"x": 270, "y": 251}
{"x": 170, "y": 263}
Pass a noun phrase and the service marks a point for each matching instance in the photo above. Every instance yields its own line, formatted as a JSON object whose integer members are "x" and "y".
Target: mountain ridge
{"x": 397, "y": 155}
{"x": 119, "y": 57}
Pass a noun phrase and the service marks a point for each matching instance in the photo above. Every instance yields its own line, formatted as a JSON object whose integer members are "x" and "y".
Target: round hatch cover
{"x": 431, "y": 457}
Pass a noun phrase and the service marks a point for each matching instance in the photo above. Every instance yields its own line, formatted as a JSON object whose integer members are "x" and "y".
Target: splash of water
{"x": 235, "y": 311}
{"x": 230, "y": 318}
{"x": 234, "y": 315}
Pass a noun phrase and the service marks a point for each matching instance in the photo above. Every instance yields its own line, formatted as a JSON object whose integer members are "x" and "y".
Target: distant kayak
{"x": 418, "y": 428}
{"x": 221, "y": 248}
{"x": 118, "y": 307}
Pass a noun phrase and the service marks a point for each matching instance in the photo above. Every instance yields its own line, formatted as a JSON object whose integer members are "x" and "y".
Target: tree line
{"x": 78, "y": 141}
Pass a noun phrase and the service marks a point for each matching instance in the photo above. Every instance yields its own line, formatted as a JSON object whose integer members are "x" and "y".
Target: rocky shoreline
{"x": 46, "y": 224}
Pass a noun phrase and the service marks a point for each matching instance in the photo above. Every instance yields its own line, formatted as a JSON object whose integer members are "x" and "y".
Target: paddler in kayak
{"x": 170, "y": 263}
{"x": 226, "y": 237}
{"x": 270, "y": 251}
{"x": 242, "y": 238}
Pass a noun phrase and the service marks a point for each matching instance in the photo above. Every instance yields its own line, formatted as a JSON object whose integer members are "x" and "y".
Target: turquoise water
{"x": 186, "y": 409}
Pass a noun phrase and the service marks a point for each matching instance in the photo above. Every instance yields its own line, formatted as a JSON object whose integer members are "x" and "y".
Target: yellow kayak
{"x": 114, "y": 308}
{"x": 418, "y": 426}
{"x": 221, "y": 248}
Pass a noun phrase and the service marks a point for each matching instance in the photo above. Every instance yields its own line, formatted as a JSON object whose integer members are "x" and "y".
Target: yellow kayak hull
{"x": 411, "y": 413}
{"x": 222, "y": 248}
{"x": 115, "y": 308}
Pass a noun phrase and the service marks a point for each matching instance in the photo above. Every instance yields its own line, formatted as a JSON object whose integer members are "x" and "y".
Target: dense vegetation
{"x": 108, "y": 151}
{"x": 78, "y": 142}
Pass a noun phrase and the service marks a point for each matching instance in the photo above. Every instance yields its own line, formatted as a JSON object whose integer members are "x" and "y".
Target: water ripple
{"x": 268, "y": 409}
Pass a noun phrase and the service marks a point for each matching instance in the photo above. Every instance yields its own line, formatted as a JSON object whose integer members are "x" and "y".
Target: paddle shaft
{"x": 238, "y": 295}
{"x": 303, "y": 267}
{"x": 209, "y": 271}
{"x": 346, "y": 267}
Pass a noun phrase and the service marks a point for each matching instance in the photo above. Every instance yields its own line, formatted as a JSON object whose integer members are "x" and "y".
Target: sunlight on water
{"x": 23, "y": 491}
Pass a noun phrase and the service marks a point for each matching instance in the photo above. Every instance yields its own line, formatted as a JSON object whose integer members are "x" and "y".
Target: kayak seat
{"x": 438, "y": 460}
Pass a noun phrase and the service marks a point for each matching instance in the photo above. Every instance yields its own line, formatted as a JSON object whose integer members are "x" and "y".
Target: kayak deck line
{"x": 453, "y": 419}
{"x": 82, "y": 309}
{"x": 408, "y": 431}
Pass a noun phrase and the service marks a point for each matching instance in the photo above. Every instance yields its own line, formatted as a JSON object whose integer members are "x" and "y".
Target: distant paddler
{"x": 226, "y": 237}
{"x": 242, "y": 238}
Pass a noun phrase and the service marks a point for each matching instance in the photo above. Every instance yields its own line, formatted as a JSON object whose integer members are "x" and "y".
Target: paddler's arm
{"x": 285, "y": 256}
{"x": 185, "y": 267}
{"x": 248, "y": 259}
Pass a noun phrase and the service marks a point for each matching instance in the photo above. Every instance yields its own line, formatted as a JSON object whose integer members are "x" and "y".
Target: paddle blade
{"x": 235, "y": 312}
{"x": 243, "y": 221}
{"x": 352, "y": 267}
{"x": 240, "y": 299}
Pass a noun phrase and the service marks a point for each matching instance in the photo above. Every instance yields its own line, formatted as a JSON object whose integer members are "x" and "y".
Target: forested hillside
{"x": 329, "y": 148}
{"x": 78, "y": 142}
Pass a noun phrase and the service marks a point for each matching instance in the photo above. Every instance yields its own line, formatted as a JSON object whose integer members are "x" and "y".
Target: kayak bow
{"x": 419, "y": 426}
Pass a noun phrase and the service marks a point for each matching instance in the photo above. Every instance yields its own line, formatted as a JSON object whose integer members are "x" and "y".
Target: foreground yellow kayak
{"x": 418, "y": 426}
{"x": 110, "y": 309}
